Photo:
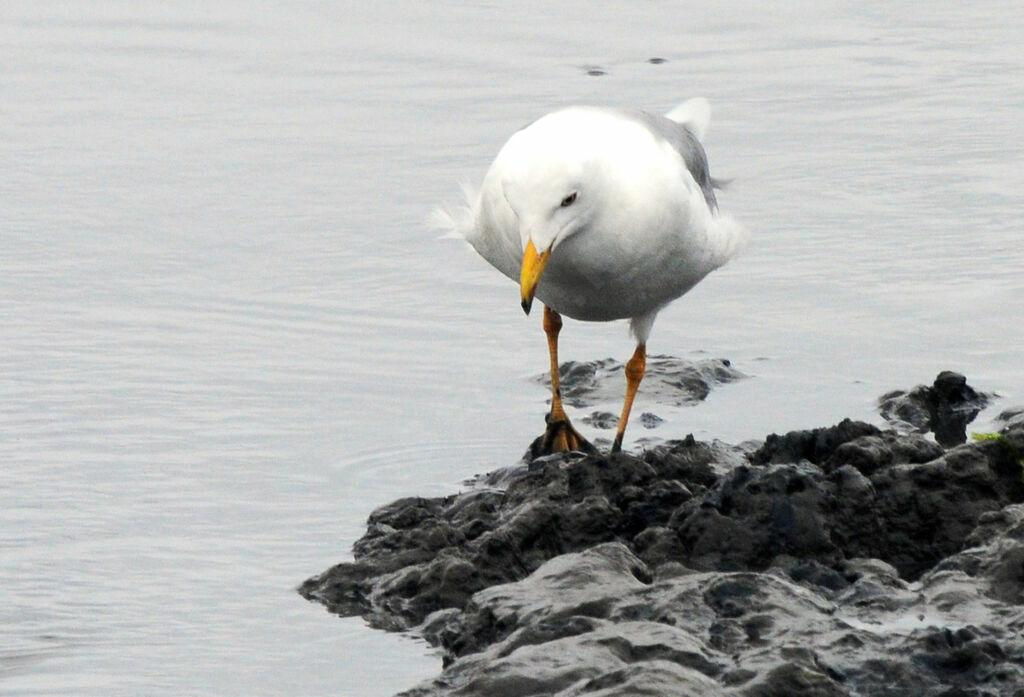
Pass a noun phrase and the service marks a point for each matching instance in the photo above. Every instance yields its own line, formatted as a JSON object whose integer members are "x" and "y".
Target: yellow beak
{"x": 533, "y": 264}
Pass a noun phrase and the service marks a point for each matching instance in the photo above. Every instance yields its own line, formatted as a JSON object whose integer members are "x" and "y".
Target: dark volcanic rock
{"x": 836, "y": 561}
{"x": 852, "y": 443}
{"x": 945, "y": 408}
{"x": 589, "y": 623}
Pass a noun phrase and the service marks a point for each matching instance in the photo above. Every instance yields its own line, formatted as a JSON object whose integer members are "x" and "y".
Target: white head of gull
{"x": 601, "y": 214}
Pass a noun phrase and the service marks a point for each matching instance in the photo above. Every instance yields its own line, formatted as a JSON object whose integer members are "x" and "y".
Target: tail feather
{"x": 695, "y": 114}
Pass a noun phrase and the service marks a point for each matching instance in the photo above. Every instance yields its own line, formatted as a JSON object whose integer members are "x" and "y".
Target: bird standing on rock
{"x": 601, "y": 214}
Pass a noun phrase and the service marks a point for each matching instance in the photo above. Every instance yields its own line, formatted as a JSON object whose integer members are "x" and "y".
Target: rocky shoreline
{"x": 844, "y": 560}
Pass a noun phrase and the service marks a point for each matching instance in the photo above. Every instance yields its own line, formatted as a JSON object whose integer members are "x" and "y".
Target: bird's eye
{"x": 568, "y": 200}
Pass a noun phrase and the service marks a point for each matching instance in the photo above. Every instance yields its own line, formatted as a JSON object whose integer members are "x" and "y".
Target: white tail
{"x": 695, "y": 114}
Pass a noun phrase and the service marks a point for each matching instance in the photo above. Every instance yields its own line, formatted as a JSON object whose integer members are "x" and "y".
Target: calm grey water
{"x": 226, "y": 333}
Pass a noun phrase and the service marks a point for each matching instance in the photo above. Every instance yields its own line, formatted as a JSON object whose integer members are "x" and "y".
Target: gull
{"x": 601, "y": 214}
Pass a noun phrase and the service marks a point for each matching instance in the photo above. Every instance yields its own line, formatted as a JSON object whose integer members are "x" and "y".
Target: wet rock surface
{"x": 1014, "y": 416}
{"x": 944, "y": 408}
{"x": 846, "y": 560}
{"x": 667, "y": 380}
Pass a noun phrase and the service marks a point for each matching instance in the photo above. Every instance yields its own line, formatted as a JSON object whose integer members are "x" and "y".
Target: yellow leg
{"x": 559, "y": 435}
{"x": 552, "y": 326}
{"x": 634, "y": 374}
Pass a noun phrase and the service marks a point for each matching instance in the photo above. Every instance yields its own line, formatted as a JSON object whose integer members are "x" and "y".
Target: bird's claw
{"x": 560, "y": 436}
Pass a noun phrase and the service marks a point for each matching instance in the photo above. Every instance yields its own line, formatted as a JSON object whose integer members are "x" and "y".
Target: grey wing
{"x": 688, "y": 146}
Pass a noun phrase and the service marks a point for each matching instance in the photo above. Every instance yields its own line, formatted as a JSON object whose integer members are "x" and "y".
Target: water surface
{"x": 227, "y": 334}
